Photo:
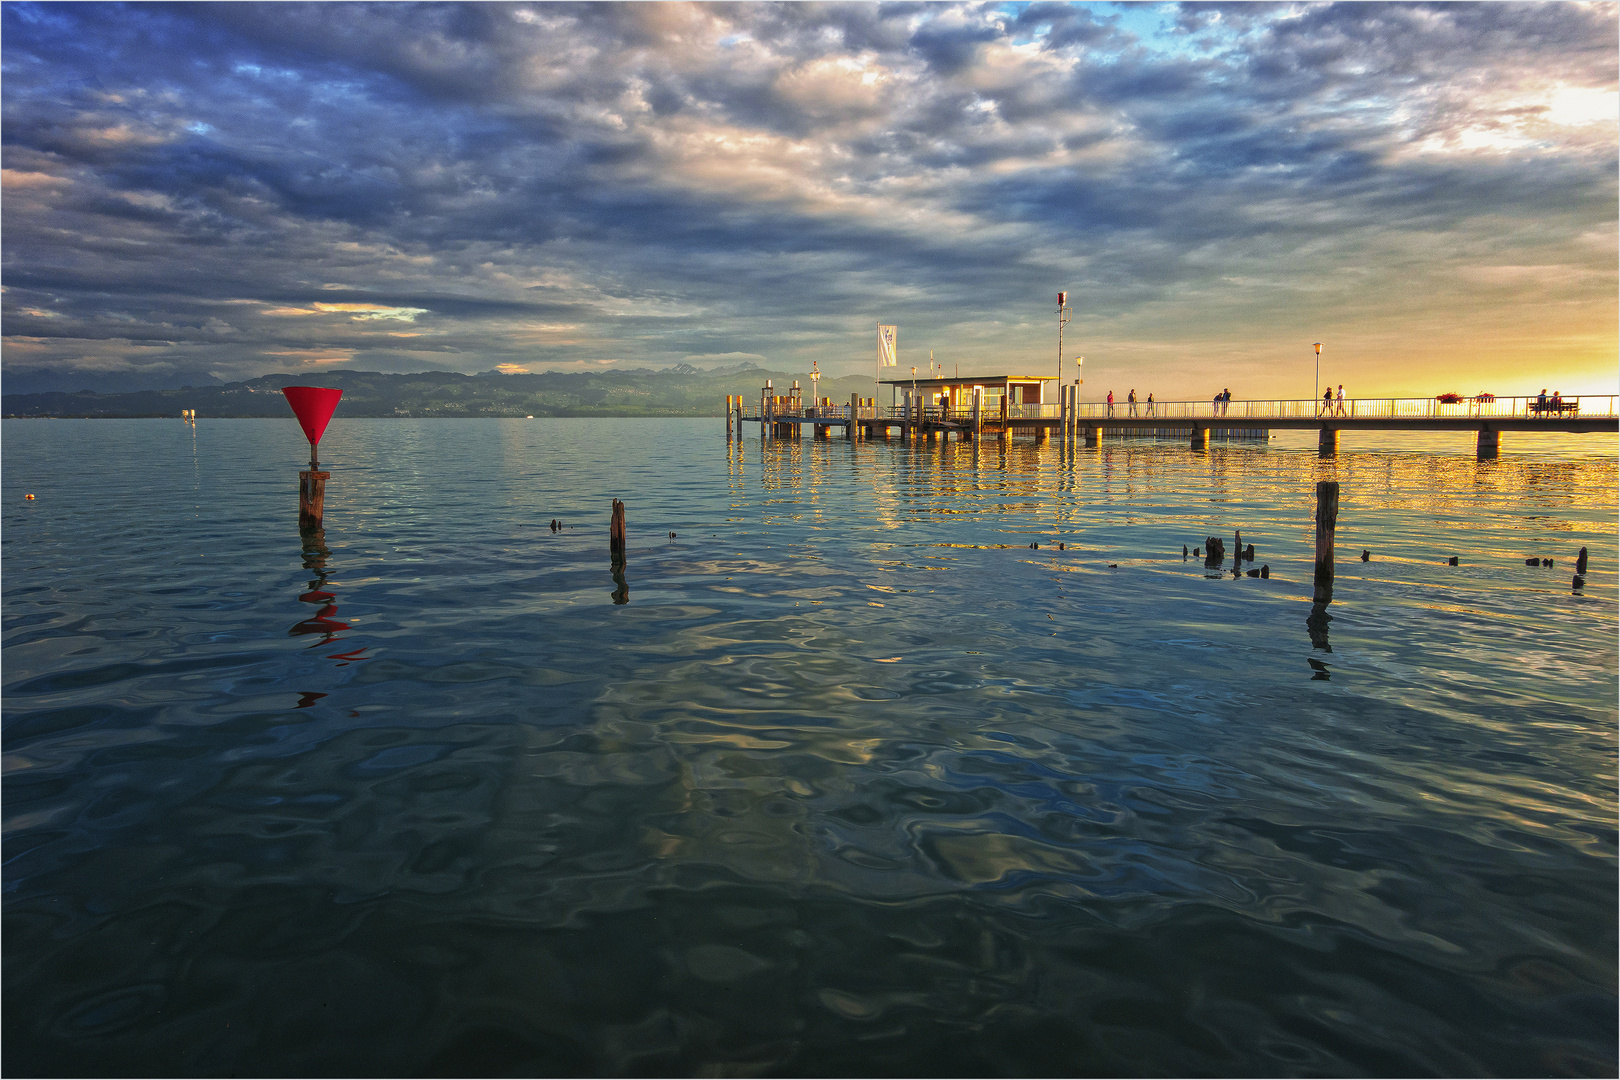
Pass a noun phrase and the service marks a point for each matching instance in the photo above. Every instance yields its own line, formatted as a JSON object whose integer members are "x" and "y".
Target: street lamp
{"x": 1063, "y": 319}
{"x": 1318, "y": 347}
{"x": 815, "y": 384}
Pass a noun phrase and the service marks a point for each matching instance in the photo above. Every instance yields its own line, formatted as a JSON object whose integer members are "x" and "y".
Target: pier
{"x": 1005, "y": 406}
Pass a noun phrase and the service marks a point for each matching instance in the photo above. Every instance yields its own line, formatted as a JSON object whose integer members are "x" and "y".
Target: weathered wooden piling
{"x": 1327, "y": 442}
{"x": 1200, "y": 438}
{"x": 616, "y": 534}
{"x": 1580, "y": 562}
{"x": 1327, "y": 520}
{"x": 1489, "y": 445}
{"x": 311, "y": 498}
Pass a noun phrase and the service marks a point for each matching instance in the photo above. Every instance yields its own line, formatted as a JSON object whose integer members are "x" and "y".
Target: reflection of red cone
{"x": 313, "y": 406}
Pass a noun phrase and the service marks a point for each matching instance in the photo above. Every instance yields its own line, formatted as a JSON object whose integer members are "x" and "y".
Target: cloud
{"x": 532, "y": 186}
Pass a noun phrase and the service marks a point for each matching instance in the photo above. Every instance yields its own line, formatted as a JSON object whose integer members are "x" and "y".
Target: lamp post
{"x": 1063, "y": 320}
{"x": 1318, "y": 346}
{"x": 815, "y": 384}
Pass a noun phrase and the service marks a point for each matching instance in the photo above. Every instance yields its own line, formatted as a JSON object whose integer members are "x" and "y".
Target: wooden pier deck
{"x": 1196, "y": 422}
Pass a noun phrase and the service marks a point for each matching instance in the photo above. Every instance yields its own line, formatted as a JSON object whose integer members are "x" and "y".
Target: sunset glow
{"x": 1430, "y": 188}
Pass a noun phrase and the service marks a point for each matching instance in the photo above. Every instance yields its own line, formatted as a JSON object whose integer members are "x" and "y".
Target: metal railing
{"x": 1584, "y": 406}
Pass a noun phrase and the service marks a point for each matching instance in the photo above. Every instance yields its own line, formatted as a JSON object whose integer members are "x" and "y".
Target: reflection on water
{"x": 859, "y": 783}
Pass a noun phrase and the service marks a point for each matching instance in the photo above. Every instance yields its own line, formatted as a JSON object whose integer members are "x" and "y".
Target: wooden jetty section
{"x": 1038, "y": 406}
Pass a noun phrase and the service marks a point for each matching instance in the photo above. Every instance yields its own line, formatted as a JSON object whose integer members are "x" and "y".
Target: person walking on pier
{"x": 1110, "y": 404}
{"x": 1341, "y": 411}
{"x": 1131, "y": 400}
{"x": 1541, "y": 402}
{"x": 1150, "y": 405}
{"x": 1327, "y": 403}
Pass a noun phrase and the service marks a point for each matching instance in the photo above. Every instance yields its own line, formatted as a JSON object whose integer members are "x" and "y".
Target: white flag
{"x": 888, "y": 349}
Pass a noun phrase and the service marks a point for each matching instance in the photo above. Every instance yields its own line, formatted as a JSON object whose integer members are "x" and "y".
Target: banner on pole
{"x": 888, "y": 351}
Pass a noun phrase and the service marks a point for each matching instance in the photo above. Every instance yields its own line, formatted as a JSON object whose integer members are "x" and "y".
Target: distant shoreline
{"x": 376, "y": 416}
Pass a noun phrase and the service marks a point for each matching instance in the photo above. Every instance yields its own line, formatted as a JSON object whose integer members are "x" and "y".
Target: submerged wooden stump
{"x": 616, "y": 534}
{"x": 1327, "y": 520}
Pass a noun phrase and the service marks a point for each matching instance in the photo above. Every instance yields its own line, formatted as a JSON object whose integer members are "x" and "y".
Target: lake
{"x": 844, "y": 777}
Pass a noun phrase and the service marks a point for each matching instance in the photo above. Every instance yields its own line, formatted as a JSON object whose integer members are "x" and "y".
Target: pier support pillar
{"x": 1200, "y": 438}
{"x": 311, "y": 498}
{"x": 1490, "y": 444}
{"x": 1327, "y": 442}
{"x": 1043, "y": 435}
{"x": 1093, "y": 435}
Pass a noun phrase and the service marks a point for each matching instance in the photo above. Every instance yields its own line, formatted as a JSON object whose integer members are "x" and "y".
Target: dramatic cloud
{"x": 235, "y": 189}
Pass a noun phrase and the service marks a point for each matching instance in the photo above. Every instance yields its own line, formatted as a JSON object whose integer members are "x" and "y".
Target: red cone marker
{"x": 313, "y": 406}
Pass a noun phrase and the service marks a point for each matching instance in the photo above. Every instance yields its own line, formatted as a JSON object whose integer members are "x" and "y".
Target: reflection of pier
{"x": 1005, "y": 406}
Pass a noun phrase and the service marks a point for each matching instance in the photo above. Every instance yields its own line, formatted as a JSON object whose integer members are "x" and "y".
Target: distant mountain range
{"x": 681, "y": 391}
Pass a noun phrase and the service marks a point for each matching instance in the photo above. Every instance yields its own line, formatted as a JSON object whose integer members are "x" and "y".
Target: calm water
{"x": 852, "y": 782}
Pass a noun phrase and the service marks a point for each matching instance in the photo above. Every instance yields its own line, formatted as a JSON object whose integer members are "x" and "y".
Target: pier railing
{"x": 1586, "y": 406}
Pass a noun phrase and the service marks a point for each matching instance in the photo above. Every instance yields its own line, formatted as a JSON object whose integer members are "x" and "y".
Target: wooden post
{"x": 978, "y": 408}
{"x": 1490, "y": 444}
{"x": 1327, "y": 443}
{"x": 1200, "y": 438}
{"x": 616, "y": 534}
{"x": 311, "y": 498}
{"x": 1327, "y": 519}
{"x": 854, "y": 416}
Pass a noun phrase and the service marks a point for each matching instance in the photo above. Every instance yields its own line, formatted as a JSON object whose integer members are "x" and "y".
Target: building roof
{"x": 964, "y": 380}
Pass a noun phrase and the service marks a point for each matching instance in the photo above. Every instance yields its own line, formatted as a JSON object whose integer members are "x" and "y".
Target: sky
{"x": 231, "y": 190}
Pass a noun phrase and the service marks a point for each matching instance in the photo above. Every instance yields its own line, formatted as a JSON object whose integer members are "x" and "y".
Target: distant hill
{"x": 681, "y": 392}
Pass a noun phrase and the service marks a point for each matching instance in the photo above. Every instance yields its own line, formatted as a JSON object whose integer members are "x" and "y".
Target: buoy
{"x": 672, "y": 536}
{"x": 28, "y": 496}
{"x": 1034, "y": 545}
